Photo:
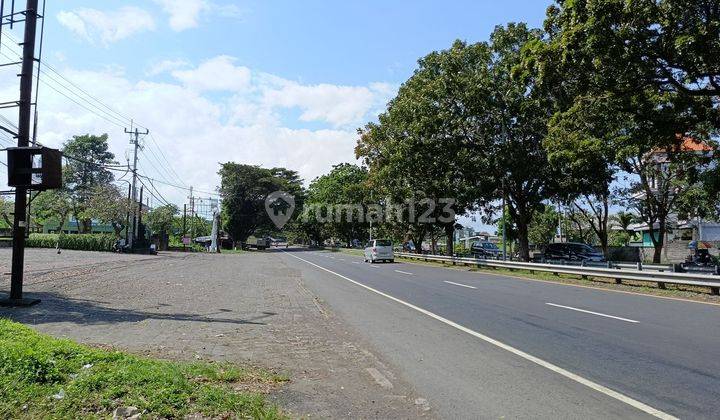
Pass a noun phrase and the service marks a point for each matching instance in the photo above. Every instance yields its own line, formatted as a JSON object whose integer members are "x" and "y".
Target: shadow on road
{"x": 57, "y": 309}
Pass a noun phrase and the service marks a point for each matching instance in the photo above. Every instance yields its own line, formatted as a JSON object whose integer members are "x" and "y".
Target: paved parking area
{"x": 248, "y": 308}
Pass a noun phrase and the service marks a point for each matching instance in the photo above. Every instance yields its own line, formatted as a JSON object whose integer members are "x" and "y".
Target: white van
{"x": 379, "y": 250}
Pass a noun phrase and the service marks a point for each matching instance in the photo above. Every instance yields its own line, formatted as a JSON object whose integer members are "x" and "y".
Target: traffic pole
{"x": 24, "y": 116}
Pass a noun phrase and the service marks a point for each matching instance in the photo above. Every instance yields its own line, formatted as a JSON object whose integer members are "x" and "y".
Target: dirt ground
{"x": 244, "y": 308}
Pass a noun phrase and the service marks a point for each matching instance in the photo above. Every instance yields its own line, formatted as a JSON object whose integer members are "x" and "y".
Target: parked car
{"x": 484, "y": 249}
{"x": 379, "y": 250}
{"x": 572, "y": 251}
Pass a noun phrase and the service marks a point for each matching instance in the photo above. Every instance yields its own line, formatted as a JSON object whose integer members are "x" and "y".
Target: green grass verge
{"x": 45, "y": 377}
{"x": 351, "y": 251}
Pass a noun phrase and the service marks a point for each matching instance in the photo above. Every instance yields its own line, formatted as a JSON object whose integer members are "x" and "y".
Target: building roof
{"x": 687, "y": 144}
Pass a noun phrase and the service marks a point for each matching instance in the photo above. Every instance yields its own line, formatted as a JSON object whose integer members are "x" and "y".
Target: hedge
{"x": 83, "y": 242}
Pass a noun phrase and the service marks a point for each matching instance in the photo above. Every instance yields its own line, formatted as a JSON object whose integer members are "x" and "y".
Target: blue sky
{"x": 313, "y": 41}
{"x": 274, "y": 83}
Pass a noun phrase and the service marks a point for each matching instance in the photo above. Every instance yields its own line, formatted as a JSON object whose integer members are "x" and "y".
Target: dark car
{"x": 484, "y": 249}
{"x": 572, "y": 251}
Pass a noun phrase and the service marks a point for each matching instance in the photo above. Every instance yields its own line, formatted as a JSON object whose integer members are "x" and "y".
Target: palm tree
{"x": 624, "y": 220}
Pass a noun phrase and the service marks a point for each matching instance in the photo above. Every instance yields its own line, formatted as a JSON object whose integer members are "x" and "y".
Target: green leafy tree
{"x": 616, "y": 102}
{"x": 244, "y": 189}
{"x": 6, "y": 211}
{"x": 341, "y": 196}
{"x": 109, "y": 205}
{"x": 514, "y": 124}
{"x": 544, "y": 226}
{"x": 624, "y": 219}
{"x": 82, "y": 177}
{"x": 418, "y": 151}
{"x": 160, "y": 220}
{"x": 52, "y": 206}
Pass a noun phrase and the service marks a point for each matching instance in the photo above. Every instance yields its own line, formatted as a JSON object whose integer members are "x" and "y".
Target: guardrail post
{"x": 583, "y": 263}
{"x": 717, "y": 270}
{"x": 639, "y": 265}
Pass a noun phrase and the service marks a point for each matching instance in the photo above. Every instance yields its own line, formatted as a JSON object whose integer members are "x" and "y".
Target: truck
{"x": 262, "y": 243}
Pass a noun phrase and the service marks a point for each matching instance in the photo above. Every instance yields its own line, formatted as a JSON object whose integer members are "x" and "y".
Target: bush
{"x": 84, "y": 242}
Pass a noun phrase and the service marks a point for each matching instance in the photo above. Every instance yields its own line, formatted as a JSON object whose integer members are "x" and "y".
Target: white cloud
{"x": 197, "y": 132}
{"x": 217, "y": 74}
{"x": 184, "y": 14}
{"x": 165, "y": 66}
{"x": 106, "y": 27}
{"x": 337, "y": 105}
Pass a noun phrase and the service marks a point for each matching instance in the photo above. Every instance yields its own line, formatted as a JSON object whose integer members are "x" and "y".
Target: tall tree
{"x": 544, "y": 226}
{"x": 342, "y": 195}
{"x": 52, "y": 206}
{"x": 515, "y": 164}
{"x": 82, "y": 177}
{"x": 244, "y": 189}
{"x": 109, "y": 205}
{"x": 418, "y": 152}
{"x": 160, "y": 220}
{"x": 616, "y": 103}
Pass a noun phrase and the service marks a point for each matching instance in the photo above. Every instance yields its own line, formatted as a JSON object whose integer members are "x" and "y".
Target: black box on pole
{"x": 35, "y": 168}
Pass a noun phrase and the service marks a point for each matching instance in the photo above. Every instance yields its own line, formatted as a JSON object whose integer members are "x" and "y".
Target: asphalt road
{"x": 483, "y": 345}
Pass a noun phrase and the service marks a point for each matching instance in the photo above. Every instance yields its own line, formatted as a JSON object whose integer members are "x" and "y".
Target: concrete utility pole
{"x": 184, "y": 224}
{"x": 215, "y": 234}
{"x": 24, "y": 114}
{"x": 504, "y": 222}
{"x": 135, "y": 141}
{"x": 192, "y": 215}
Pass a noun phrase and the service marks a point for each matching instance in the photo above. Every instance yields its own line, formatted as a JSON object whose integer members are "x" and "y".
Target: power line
{"x": 165, "y": 158}
{"x": 179, "y": 186}
{"x": 93, "y": 98}
{"x": 95, "y": 109}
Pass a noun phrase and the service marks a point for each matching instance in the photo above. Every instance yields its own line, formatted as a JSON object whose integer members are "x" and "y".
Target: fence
{"x": 660, "y": 274}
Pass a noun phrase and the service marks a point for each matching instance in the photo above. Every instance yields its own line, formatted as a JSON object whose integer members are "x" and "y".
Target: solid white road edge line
{"x": 404, "y": 272}
{"x": 461, "y": 285}
{"x": 592, "y": 313}
{"x": 557, "y": 369}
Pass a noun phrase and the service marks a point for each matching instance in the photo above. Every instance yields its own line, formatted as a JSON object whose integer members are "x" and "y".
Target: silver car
{"x": 379, "y": 250}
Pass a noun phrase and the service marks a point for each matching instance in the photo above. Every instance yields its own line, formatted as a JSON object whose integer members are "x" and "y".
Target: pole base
{"x": 18, "y": 303}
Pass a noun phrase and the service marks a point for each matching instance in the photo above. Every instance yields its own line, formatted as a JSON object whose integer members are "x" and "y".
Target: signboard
{"x": 186, "y": 240}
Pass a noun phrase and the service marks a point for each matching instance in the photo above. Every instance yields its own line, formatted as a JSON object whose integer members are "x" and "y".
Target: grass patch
{"x": 351, "y": 251}
{"x": 45, "y": 377}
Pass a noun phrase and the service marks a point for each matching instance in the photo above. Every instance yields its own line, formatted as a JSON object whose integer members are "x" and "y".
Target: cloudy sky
{"x": 274, "y": 83}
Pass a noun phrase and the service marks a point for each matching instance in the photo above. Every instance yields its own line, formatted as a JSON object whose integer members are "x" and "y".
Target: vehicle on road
{"x": 262, "y": 243}
{"x": 379, "y": 250}
{"x": 485, "y": 249}
{"x": 572, "y": 251}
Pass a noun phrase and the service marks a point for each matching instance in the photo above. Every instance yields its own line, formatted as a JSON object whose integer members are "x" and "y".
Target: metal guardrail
{"x": 618, "y": 274}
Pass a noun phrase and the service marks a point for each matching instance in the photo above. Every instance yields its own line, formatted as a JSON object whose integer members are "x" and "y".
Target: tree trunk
{"x": 658, "y": 245}
{"x": 524, "y": 243}
{"x": 449, "y": 239}
{"x": 604, "y": 244}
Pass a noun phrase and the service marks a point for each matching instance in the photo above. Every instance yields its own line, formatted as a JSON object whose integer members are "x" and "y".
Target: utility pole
{"x": 192, "y": 215}
{"x": 504, "y": 223}
{"x": 184, "y": 224}
{"x": 24, "y": 114}
{"x": 135, "y": 141}
{"x": 127, "y": 216}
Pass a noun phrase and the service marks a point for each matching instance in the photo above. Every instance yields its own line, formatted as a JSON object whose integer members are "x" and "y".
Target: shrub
{"x": 84, "y": 242}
